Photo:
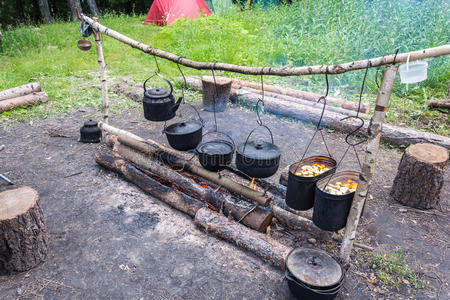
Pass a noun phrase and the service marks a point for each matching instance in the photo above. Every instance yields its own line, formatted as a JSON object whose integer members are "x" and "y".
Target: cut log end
{"x": 428, "y": 153}
{"x": 420, "y": 176}
{"x": 23, "y": 239}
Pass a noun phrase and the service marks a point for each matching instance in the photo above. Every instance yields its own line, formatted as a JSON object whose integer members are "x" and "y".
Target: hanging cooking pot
{"x": 159, "y": 103}
{"x": 258, "y": 159}
{"x": 216, "y": 154}
{"x": 313, "y": 274}
{"x": 186, "y": 134}
{"x": 302, "y": 179}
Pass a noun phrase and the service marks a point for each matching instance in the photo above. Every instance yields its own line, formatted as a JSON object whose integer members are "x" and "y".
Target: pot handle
{"x": 251, "y": 132}
{"x": 223, "y": 134}
{"x": 162, "y": 77}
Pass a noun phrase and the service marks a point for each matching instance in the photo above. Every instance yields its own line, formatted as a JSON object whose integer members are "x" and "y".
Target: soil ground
{"x": 109, "y": 240}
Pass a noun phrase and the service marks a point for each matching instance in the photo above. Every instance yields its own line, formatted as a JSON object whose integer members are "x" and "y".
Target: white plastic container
{"x": 413, "y": 72}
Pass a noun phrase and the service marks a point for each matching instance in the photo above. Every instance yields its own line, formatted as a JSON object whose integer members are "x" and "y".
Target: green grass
{"x": 305, "y": 33}
{"x": 392, "y": 270}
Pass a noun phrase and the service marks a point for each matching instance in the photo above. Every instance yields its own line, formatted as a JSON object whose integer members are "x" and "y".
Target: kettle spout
{"x": 177, "y": 105}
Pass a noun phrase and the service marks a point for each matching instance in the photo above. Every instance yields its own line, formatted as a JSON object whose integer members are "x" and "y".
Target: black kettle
{"x": 159, "y": 103}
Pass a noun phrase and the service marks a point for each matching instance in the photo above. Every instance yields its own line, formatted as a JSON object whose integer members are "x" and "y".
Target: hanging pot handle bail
{"x": 160, "y": 76}
{"x": 221, "y": 133}
{"x": 251, "y": 132}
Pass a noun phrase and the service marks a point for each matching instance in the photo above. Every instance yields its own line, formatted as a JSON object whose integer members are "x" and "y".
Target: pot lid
{"x": 216, "y": 147}
{"x": 183, "y": 127}
{"x": 90, "y": 123}
{"x": 157, "y": 93}
{"x": 314, "y": 267}
{"x": 259, "y": 150}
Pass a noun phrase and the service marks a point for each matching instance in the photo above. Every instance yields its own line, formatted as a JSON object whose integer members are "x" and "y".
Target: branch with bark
{"x": 279, "y": 71}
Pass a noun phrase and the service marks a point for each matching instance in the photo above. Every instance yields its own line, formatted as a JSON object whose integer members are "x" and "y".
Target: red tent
{"x": 164, "y": 12}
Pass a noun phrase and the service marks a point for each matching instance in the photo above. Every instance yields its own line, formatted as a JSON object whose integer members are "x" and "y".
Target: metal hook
{"x": 156, "y": 62}
{"x": 184, "y": 78}
{"x": 362, "y": 87}
{"x": 216, "y": 95}
{"x": 323, "y": 110}
{"x": 326, "y": 80}
{"x": 354, "y": 131}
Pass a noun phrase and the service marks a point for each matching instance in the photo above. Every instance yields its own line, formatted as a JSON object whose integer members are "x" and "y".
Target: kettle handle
{"x": 159, "y": 75}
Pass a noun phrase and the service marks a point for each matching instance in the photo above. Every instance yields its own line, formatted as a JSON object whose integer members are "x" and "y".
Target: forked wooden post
{"x": 102, "y": 70}
{"x": 373, "y": 144}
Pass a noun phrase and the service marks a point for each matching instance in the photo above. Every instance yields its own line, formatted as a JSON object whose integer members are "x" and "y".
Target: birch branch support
{"x": 279, "y": 71}
{"x": 103, "y": 83}
{"x": 372, "y": 147}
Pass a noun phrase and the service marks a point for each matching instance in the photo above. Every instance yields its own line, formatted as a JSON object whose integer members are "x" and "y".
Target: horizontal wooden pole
{"x": 278, "y": 71}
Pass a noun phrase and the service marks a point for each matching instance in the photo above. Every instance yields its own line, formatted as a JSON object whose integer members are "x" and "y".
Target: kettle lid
{"x": 259, "y": 150}
{"x": 157, "y": 93}
{"x": 90, "y": 123}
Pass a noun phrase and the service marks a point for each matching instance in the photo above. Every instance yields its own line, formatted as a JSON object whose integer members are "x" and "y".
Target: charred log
{"x": 259, "y": 244}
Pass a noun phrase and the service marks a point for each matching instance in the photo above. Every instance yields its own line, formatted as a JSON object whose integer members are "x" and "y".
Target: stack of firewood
{"x": 220, "y": 203}
{"x": 21, "y": 96}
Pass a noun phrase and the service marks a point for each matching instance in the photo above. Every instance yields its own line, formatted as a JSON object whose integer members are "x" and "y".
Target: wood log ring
{"x": 420, "y": 176}
{"x": 23, "y": 238}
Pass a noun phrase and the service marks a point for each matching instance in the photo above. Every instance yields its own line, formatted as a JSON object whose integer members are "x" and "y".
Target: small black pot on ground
{"x": 90, "y": 132}
{"x": 300, "y": 190}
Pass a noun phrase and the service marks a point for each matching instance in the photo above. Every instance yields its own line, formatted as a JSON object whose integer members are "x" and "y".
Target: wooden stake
{"x": 102, "y": 71}
{"x": 373, "y": 143}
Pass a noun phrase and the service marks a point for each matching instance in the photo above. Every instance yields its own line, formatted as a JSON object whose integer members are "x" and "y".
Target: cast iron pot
{"x": 313, "y": 274}
{"x": 215, "y": 155}
{"x": 184, "y": 135}
{"x": 90, "y": 133}
{"x": 300, "y": 190}
{"x": 331, "y": 211}
{"x": 304, "y": 292}
{"x": 258, "y": 159}
{"x": 159, "y": 103}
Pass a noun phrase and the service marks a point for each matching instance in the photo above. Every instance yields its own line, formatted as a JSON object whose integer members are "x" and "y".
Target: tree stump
{"x": 420, "y": 176}
{"x": 209, "y": 92}
{"x": 23, "y": 239}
